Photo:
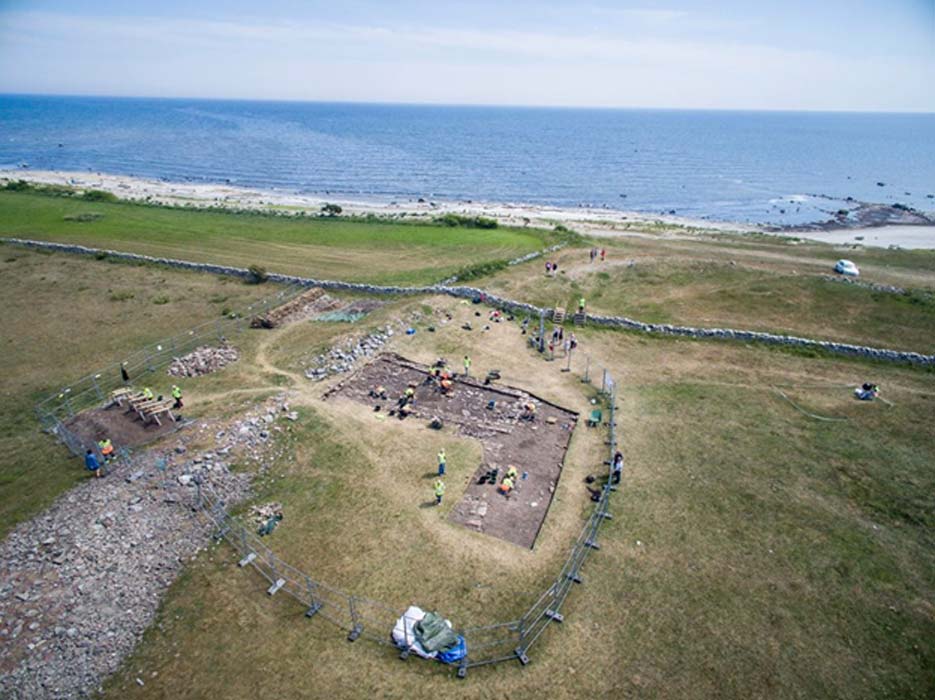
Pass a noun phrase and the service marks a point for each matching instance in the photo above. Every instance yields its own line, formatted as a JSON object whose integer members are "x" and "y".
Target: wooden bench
{"x": 558, "y": 315}
{"x": 157, "y": 408}
{"x": 118, "y": 396}
{"x": 138, "y": 400}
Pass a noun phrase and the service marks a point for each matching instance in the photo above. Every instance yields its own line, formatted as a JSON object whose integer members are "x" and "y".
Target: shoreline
{"x": 885, "y": 232}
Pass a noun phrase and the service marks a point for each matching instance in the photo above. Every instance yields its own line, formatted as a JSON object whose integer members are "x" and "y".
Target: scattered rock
{"x": 203, "y": 360}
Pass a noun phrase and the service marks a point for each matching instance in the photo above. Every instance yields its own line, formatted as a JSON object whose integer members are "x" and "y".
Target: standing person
{"x": 90, "y": 461}
{"x": 592, "y": 254}
{"x": 603, "y": 254}
{"x": 617, "y": 467}
{"x": 177, "y": 395}
{"x": 123, "y": 373}
{"x": 548, "y": 268}
{"x": 467, "y": 366}
{"x": 441, "y": 462}
{"x": 573, "y": 342}
{"x": 439, "y": 491}
{"x": 581, "y": 305}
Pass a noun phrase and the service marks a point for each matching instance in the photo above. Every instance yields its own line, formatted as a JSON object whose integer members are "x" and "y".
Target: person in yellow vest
{"x": 581, "y": 305}
{"x": 439, "y": 491}
{"x": 177, "y": 395}
{"x": 148, "y": 393}
{"x": 107, "y": 449}
{"x": 512, "y": 473}
{"x": 506, "y": 485}
{"x": 441, "y": 462}
{"x": 467, "y": 365}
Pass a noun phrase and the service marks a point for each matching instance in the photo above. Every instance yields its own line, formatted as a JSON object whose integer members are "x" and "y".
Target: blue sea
{"x": 762, "y": 167}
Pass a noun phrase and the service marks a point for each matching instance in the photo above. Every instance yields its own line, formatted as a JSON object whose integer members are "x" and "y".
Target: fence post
{"x": 357, "y": 627}
{"x": 313, "y": 605}
{"x": 542, "y": 331}
{"x": 97, "y": 389}
{"x": 587, "y": 369}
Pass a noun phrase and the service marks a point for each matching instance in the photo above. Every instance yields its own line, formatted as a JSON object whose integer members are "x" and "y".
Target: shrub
{"x": 18, "y": 186}
{"x": 121, "y": 296}
{"x": 331, "y": 209}
{"x": 99, "y": 196}
{"x": 466, "y": 221}
{"x": 256, "y": 274}
{"x": 160, "y": 300}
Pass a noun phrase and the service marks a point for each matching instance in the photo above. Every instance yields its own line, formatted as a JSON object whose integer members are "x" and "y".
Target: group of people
{"x": 598, "y": 253}
{"x": 105, "y": 446}
{"x": 108, "y": 455}
{"x": 558, "y": 340}
{"x": 551, "y": 267}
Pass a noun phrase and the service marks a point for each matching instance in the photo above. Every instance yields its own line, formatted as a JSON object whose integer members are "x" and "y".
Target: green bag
{"x": 434, "y": 635}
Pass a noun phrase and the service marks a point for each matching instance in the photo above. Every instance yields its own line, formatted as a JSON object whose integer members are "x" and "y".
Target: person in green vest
{"x": 467, "y": 365}
{"x": 148, "y": 393}
{"x": 441, "y": 462}
{"x": 581, "y": 305}
{"x": 106, "y": 448}
{"x": 439, "y": 491}
{"x": 177, "y": 395}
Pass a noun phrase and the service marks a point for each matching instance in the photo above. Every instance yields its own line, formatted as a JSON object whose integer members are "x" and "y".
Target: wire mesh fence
{"x": 360, "y": 617}
{"x": 94, "y": 389}
{"x": 364, "y": 618}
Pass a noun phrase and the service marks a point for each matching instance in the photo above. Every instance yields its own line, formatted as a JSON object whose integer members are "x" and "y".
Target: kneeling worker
{"x": 177, "y": 395}
{"x": 506, "y": 485}
{"x": 107, "y": 449}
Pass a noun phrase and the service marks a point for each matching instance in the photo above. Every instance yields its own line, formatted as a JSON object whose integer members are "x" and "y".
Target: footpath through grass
{"x": 384, "y": 252}
{"x": 65, "y": 316}
{"x": 725, "y": 285}
{"x": 754, "y": 552}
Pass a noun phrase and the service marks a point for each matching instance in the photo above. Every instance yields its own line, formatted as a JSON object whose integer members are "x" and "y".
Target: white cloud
{"x": 406, "y": 63}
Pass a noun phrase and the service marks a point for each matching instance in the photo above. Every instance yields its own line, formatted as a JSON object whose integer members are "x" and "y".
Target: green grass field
{"x": 312, "y": 247}
{"x": 728, "y": 284}
{"x": 754, "y": 552}
{"x": 64, "y": 317}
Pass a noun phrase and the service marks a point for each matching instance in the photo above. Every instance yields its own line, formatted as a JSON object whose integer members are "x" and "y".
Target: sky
{"x": 694, "y": 54}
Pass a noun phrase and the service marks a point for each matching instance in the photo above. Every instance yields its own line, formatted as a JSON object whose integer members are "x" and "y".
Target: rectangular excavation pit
{"x": 536, "y": 448}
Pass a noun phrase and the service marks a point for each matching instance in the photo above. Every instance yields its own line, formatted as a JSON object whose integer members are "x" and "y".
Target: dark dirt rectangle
{"x": 124, "y": 428}
{"x": 537, "y": 449}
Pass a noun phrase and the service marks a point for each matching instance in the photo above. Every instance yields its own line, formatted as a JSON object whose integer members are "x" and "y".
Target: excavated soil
{"x": 537, "y": 449}
{"x": 124, "y": 429}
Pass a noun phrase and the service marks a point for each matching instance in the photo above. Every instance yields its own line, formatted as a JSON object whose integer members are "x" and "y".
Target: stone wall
{"x": 515, "y": 307}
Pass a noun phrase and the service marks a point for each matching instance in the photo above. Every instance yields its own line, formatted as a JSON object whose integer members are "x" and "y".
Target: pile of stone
{"x": 81, "y": 582}
{"x": 203, "y": 360}
{"x": 343, "y": 358}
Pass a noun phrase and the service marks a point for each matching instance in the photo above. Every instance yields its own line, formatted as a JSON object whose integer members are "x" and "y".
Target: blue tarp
{"x": 455, "y": 654}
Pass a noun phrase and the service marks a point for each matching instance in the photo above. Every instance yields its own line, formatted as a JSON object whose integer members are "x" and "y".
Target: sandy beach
{"x": 593, "y": 221}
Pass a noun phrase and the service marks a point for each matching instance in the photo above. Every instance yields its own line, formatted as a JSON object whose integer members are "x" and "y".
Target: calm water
{"x": 736, "y": 166}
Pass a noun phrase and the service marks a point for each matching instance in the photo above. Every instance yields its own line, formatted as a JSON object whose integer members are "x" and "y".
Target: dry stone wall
{"x": 463, "y": 292}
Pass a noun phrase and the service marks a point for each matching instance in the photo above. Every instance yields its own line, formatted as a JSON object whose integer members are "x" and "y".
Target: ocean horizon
{"x": 762, "y": 167}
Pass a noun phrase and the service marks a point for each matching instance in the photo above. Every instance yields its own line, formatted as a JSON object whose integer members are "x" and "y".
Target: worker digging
{"x": 523, "y": 439}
